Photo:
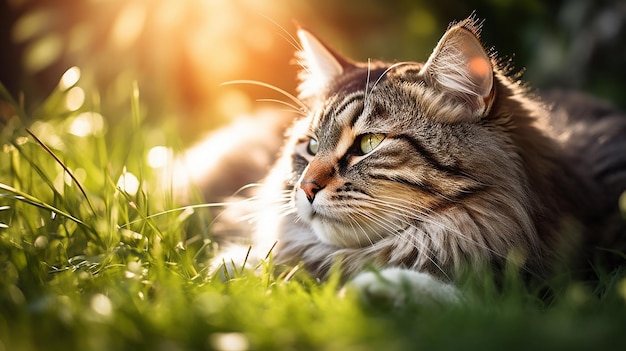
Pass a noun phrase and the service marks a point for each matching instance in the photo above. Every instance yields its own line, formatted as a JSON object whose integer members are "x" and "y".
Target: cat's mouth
{"x": 332, "y": 228}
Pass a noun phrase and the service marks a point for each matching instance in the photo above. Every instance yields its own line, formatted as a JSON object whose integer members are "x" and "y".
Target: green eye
{"x": 312, "y": 147}
{"x": 370, "y": 141}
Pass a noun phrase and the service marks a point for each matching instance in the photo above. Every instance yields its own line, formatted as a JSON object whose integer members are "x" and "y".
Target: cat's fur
{"x": 461, "y": 167}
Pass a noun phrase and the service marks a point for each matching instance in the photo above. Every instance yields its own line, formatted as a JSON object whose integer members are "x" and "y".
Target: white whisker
{"x": 414, "y": 214}
{"x": 386, "y": 222}
{"x": 367, "y": 81}
{"x": 382, "y": 75}
{"x": 292, "y": 108}
{"x": 289, "y": 38}
{"x": 272, "y": 87}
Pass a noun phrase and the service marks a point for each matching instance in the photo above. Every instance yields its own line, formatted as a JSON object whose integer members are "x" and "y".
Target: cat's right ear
{"x": 320, "y": 65}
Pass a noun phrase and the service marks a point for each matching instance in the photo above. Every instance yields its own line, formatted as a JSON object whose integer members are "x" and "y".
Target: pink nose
{"x": 317, "y": 176}
{"x": 310, "y": 189}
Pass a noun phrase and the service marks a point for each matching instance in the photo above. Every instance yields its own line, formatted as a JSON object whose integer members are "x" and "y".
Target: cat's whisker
{"x": 173, "y": 210}
{"x": 367, "y": 80}
{"x": 395, "y": 65}
{"x": 292, "y": 108}
{"x": 272, "y": 87}
{"x": 279, "y": 203}
{"x": 391, "y": 228}
{"x": 304, "y": 67}
{"x": 255, "y": 217}
{"x": 289, "y": 38}
{"x": 370, "y": 224}
{"x": 246, "y": 187}
{"x": 410, "y": 214}
{"x": 352, "y": 222}
{"x": 389, "y": 220}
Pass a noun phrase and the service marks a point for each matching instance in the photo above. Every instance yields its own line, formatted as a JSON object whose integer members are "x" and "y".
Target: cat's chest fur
{"x": 433, "y": 167}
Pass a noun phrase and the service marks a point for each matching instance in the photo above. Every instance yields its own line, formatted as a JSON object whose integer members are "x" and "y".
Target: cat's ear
{"x": 320, "y": 64}
{"x": 461, "y": 67}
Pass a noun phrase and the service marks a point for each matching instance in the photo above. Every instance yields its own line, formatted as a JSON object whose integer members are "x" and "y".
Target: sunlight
{"x": 234, "y": 102}
{"x": 129, "y": 183}
{"x": 46, "y": 132}
{"x": 30, "y": 25}
{"x": 199, "y": 160}
{"x": 181, "y": 50}
{"x": 69, "y": 78}
{"x": 87, "y": 123}
{"x": 128, "y": 24}
{"x": 64, "y": 179}
{"x": 229, "y": 341}
{"x": 101, "y": 305}
{"x": 159, "y": 156}
{"x": 43, "y": 52}
{"x": 75, "y": 98}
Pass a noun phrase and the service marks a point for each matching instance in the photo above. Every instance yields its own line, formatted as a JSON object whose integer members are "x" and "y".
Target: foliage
{"x": 89, "y": 261}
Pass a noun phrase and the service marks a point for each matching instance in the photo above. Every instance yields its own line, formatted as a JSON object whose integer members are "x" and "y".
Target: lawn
{"x": 96, "y": 253}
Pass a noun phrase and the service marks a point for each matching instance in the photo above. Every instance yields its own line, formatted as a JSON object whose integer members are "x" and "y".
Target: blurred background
{"x": 179, "y": 52}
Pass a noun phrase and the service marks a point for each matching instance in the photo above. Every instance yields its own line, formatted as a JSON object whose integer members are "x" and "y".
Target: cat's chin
{"x": 339, "y": 234}
{"x": 334, "y": 231}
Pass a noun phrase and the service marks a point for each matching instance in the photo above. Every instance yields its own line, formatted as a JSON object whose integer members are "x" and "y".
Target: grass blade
{"x": 31, "y": 200}
{"x": 56, "y": 158}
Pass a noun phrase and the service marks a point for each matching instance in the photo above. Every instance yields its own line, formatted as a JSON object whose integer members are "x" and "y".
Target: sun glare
{"x": 129, "y": 24}
{"x": 87, "y": 123}
{"x": 69, "y": 78}
{"x": 159, "y": 156}
{"x": 75, "y": 98}
{"x": 179, "y": 52}
{"x": 129, "y": 183}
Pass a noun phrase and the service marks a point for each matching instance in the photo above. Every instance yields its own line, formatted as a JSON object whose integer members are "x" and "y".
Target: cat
{"x": 406, "y": 174}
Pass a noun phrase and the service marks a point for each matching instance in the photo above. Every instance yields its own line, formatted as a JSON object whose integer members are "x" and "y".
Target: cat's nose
{"x": 318, "y": 174}
{"x": 310, "y": 189}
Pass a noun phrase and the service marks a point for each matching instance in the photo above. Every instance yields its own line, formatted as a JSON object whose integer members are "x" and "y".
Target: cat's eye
{"x": 312, "y": 146}
{"x": 369, "y": 142}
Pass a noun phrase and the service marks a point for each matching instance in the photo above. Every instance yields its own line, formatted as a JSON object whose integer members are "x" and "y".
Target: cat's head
{"x": 391, "y": 148}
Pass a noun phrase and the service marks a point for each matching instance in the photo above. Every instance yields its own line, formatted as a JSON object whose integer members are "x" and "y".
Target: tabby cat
{"x": 406, "y": 174}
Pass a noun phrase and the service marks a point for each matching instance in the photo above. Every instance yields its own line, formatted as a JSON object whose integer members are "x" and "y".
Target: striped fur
{"x": 472, "y": 169}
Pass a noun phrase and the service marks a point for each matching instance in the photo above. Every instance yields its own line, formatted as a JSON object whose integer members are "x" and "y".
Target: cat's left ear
{"x": 461, "y": 67}
{"x": 320, "y": 64}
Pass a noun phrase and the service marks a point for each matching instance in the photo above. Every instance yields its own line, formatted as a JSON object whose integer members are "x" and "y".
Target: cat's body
{"x": 430, "y": 168}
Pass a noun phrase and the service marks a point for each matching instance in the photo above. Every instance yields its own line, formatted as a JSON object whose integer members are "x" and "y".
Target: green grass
{"x": 90, "y": 268}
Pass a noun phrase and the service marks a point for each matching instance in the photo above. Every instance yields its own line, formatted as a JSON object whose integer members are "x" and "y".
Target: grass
{"x": 84, "y": 265}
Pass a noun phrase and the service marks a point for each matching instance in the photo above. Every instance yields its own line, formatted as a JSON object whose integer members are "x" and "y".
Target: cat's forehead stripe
{"x": 348, "y": 102}
{"x": 346, "y": 115}
{"x": 341, "y": 113}
{"x": 349, "y": 111}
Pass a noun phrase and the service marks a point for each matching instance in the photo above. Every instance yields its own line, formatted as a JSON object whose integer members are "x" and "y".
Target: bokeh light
{"x": 160, "y": 157}
{"x": 101, "y": 305}
{"x": 87, "y": 123}
{"x": 69, "y": 78}
{"x": 128, "y": 183}
{"x": 75, "y": 98}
